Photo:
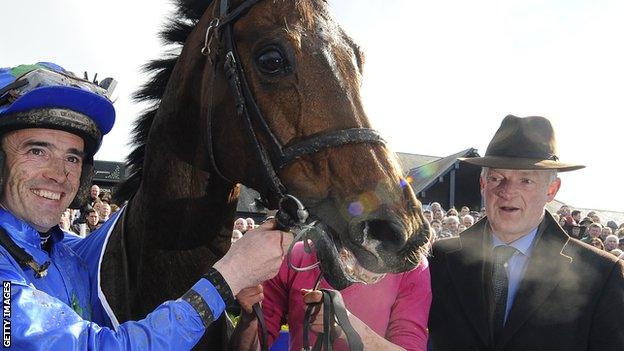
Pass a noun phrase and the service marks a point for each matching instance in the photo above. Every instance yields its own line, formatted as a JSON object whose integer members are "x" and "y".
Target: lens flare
{"x": 405, "y": 182}
{"x": 370, "y": 201}
{"x": 365, "y": 203}
{"x": 356, "y": 208}
{"x": 427, "y": 171}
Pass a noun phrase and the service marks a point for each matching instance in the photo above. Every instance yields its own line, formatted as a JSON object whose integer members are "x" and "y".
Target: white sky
{"x": 439, "y": 75}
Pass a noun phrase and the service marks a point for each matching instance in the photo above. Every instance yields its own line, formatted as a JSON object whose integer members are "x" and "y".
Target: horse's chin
{"x": 339, "y": 265}
{"x": 346, "y": 259}
{"x": 372, "y": 257}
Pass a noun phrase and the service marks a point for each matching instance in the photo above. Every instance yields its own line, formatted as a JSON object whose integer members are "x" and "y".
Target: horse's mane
{"x": 174, "y": 33}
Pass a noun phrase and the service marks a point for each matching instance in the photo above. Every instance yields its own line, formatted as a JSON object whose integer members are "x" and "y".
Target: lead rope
{"x": 307, "y": 317}
{"x": 334, "y": 311}
{"x": 291, "y": 216}
{"x": 264, "y": 342}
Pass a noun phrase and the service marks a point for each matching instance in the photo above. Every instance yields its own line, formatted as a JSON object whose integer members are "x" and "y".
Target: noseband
{"x": 274, "y": 155}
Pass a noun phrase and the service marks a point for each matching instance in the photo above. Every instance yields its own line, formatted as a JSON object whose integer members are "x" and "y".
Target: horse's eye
{"x": 272, "y": 62}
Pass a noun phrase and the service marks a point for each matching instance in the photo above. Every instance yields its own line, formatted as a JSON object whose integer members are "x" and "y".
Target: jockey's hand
{"x": 254, "y": 258}
{"x": 315, "y": 297}
{"x": 247, "y": 298}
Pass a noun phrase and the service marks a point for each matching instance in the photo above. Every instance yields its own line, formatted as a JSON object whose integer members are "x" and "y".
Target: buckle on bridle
{"x": 210, "y": 34}
{"x": 291, "y": 213}
{"x": 293, "y": 216}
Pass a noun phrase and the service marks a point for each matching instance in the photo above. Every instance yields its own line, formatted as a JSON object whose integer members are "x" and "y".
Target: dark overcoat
{"x": 571, "y": 296}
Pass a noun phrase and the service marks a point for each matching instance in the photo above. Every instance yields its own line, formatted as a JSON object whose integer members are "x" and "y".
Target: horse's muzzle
{"x": 384, "y": 245}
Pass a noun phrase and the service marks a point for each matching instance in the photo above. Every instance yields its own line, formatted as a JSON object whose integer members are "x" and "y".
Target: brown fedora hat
{"x": 523, "y": 143}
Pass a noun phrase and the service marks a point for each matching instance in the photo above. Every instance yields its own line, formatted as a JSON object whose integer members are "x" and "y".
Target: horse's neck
{"x": 178, "y": 199}
{"x": 178, "y": 224}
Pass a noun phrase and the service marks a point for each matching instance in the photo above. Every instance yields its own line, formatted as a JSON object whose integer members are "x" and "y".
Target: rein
{"x": 292, "y": 214}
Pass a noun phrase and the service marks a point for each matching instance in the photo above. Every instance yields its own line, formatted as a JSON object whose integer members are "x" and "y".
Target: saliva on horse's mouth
{"x": 338, "y": 264}
{"x": 354, "y": 269}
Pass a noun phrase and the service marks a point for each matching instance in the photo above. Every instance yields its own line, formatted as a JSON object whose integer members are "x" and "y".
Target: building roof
{"x": 426, "y": 175}
{"x": 411, "y": 161}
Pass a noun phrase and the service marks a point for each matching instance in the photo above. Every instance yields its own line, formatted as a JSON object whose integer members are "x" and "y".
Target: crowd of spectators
{"x": 91, "y": 216}
{"x": 242, "y": 225}
{"x": 589, "y": 228}
{"x": 100, "y": 207}
{"x": 446, "y": 224}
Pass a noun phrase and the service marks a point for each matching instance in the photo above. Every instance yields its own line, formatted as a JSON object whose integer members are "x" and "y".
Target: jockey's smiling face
{"x": 42, "y": 174}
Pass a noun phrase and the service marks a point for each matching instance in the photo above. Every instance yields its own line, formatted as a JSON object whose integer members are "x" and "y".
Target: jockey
{"x": 51, "y": 126}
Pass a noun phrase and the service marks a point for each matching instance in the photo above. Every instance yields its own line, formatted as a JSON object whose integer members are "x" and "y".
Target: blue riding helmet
{"x": 47, "y": 86}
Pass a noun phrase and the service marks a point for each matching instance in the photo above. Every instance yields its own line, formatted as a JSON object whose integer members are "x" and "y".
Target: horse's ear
{"x": 193, "y": 9}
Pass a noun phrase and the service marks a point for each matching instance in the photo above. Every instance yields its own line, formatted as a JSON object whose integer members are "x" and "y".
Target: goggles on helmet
{"x": 42, "y": 77}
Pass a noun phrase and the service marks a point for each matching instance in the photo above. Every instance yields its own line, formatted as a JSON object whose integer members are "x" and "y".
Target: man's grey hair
{"x": 552, "y": 174}
{"x": 468, "y": 216}
{"x": 449, "y": 219}
{"x": 613, "y": 236}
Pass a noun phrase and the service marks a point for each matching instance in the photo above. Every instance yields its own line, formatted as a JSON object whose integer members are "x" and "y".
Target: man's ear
{"x": 553, "y": 189}
{"x": 481, "y": 184}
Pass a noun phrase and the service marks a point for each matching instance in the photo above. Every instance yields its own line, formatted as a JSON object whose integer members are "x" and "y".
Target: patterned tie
{"x": 500, "y": 282}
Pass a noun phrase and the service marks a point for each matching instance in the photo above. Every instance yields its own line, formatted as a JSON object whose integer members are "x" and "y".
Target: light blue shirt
{"x": 516, "y": 264}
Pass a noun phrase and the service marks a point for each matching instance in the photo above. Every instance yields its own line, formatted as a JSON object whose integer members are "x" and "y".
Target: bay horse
{"x": 254, "y": 81}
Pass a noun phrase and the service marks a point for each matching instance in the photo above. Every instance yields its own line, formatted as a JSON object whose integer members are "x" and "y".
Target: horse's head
{"x": 304, "y": 75}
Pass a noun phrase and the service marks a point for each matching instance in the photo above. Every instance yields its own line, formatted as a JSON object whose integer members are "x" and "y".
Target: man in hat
{"x": 51, "y": 125}
{"x": 515, "y": 280}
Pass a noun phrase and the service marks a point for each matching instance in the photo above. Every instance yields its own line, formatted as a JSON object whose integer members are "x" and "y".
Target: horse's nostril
{"x": 390, "y": 234}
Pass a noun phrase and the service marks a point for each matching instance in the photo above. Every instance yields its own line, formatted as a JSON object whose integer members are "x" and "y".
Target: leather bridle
{"x": 219, "y": 42}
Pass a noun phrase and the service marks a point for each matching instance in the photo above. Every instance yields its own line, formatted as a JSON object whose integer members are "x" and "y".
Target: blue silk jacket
{"x": 64, "y": 310}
